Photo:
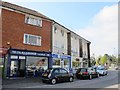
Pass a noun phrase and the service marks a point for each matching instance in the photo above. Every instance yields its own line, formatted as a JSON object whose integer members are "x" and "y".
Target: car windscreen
{"x": 83, "y": 70}
{"x": 100, "y": 68}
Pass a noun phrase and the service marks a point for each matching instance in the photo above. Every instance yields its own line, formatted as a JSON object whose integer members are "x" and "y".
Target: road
{"x": 102, "y": 82}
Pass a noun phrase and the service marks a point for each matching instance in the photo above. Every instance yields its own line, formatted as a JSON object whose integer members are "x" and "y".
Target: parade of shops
{"x": 25, "y": 63}
{"x": 32, "y": 43}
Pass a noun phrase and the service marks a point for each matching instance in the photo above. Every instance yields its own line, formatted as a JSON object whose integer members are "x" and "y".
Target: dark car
{"x": 86, "y": 73}
{"x": 56, "y": 75}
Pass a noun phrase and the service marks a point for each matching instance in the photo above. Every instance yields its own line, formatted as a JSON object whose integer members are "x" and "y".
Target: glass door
{"x": 14, "y": 68}
{"x": 17, "y": 68}
{"x": 21, "y": 68}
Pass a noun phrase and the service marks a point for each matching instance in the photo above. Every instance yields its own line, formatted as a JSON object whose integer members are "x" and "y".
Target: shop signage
{"x": 61, "y": 56}
{"x": 65, "y": 57}
{"x": 55, "y": 55}
{"x": 29, "y": 53}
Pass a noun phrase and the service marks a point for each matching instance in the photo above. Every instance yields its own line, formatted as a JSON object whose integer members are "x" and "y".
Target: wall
{"x": 0, "y": 26}
{"x": 85, "y": 51}
{"x": 74, "y": 45}
{"x": 59, "y": 41}
{"x": 14, "y": 27}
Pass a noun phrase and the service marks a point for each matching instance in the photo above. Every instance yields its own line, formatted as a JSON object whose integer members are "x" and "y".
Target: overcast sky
{"x": 95, "y": 21}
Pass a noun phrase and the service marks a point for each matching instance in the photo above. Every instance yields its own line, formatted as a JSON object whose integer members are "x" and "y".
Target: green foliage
{"x": 75, "y": 64}
{"x": 103, "y": 60}
{"x": 98, "y": 60}
{"x": 109, "y": 59}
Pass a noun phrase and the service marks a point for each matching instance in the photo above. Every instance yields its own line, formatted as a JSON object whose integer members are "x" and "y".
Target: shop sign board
{"x": 29, "y": 53}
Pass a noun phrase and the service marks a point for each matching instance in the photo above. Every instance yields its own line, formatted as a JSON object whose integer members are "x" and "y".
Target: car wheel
{"x": 43, "y": 81}
{"x": 71, "y": 79}
{"x": 90, "y": 77}
{"x": 53, "y": 81}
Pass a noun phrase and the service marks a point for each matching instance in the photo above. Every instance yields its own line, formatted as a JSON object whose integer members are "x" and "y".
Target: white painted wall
{"x": 59, "y": 41}
{"x": 84, "y": 45}
{"x": 74, "y": 45}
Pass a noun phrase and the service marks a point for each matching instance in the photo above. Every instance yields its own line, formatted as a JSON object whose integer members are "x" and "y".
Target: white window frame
{"x": 32, "y": 22}
{"x": 28, "y": 42}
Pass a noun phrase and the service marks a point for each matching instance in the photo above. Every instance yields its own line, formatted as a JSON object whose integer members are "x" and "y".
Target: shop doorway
{"x": 17, "y": 68}
{"x": 62, "y": 64}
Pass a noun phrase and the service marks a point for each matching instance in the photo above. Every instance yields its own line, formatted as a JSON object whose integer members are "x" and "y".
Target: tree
{"x": 103, "y": 60}
{"x": 98, "y": 60}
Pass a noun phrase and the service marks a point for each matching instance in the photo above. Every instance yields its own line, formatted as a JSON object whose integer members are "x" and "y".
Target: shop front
{"x": 76, "y": 62}
{"x": 62, "y": 61}
{"x": 25, "y": 63}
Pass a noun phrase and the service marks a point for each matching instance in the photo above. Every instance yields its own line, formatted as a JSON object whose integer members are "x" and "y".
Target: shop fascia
{"x": 29, "y": 53}
{"x": 61, "y": 56}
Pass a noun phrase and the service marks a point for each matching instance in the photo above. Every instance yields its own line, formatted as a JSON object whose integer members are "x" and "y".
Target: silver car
{"x": 102, "y": 70}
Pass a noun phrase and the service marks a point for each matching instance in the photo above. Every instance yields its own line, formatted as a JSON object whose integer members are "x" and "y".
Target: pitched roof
{"x": 23, "y": 9}
{"x": 33, "y": 12}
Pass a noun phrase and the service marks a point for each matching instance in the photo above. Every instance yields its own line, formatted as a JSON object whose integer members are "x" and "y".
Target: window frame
{"x": 38, "y": 19}
{"x": 39, "y": 43}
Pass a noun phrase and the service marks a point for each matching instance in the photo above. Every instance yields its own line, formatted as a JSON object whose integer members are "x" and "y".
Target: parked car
{"x": 56, "y": 75}
{"x": 102, "y": 70}
{"x": 73, "y": 71}
{"x": 86, "y": 73}
{"x": 117, "y": 68}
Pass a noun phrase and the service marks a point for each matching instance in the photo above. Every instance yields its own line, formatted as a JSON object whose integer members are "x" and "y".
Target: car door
{"x": 65, "y": 74}
{"x": 57, "y": 75}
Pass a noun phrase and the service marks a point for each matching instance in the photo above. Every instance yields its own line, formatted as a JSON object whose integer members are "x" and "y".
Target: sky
{"x": 94, "y": 21}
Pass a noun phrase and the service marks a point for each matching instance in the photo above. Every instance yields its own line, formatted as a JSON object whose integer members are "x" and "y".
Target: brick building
{"x": 27, "y": 42}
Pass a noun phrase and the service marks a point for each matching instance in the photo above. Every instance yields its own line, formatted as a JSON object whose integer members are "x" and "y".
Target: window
{"x": 33, "y": 20}
{"x": 38, "y": 63}
{"x": 32, "y": 39}
{"x": 63, "y": 71}
{"x": 56, "y": 71}
{"x": 55, "y": 29}
{"x": 62, "y": 32}
{"x": 83, "y": 70}
{"x": 56, "y": 63}
{"x": 62, "y": 46}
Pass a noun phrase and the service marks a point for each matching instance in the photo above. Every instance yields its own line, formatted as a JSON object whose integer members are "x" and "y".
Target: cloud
{"x": 103, "y": 31}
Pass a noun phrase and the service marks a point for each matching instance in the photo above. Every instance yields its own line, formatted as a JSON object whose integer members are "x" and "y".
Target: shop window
{"x": 66, "y": 63}
{"x": 14, "y": 57}
{"x": 32, "y": 39}
{"x": 56, "y": 63}
{"x": 33, "y": 20}
{"x": 37, "y": 63}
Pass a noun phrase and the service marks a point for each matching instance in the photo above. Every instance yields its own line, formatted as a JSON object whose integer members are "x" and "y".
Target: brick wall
{"x": 14, "y": 27}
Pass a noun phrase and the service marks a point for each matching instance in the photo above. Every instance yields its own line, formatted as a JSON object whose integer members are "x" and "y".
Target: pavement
{"x": 113, "y": 86}
{"x": 109, "y": 81}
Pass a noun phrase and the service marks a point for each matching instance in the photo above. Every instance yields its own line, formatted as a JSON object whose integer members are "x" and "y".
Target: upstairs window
{"x": 55, "y": 29}
{"x": 62, "y": 32}
{"x": 32, "y": 39}
{"x": 33, "y": 21}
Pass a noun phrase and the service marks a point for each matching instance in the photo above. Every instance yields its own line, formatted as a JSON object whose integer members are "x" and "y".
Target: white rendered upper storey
{"x": 59, "y": 39}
